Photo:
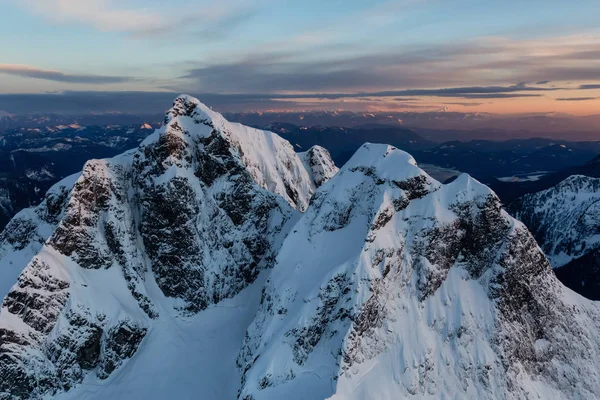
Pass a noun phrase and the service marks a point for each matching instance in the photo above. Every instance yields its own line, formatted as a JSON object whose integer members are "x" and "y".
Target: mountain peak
{"x": 393, "y": 285}
{"x": 187, "y": 220}
{"x": 385, "y": 163}
{"x": 188, "y": 106}
{"x": 269, "y": 159}
{"x": 382, "y": 157}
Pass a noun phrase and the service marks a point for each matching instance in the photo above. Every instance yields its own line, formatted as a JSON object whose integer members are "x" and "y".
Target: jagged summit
{"x": 270, "y": 159}
{"x": 319, "y": 162}
{"x": 186, "y": 105}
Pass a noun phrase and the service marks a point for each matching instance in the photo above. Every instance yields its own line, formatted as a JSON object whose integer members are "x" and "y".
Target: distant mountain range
{"x": 33, "y": 155}
{"x": 509, "y": 191}
{"x": 565, "y": 220}
{"x": 10, "y": 122}
{"x": 342, "y": 142}
{"x": 440, "y": 126}
{"x": 34, "y": 159}
{"x": 444, "y": 124}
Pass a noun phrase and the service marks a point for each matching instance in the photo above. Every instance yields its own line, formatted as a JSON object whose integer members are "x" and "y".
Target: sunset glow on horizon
{"x": 383, "y": 55}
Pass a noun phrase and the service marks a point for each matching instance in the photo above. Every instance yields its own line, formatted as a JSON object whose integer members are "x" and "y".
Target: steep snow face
{"x": 565, "y": 219}
{"x": 185, "y": 221}
{"x": 395, "y": 286}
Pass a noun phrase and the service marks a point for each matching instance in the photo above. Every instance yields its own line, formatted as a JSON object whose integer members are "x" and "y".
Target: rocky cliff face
{"x": 186, "y": 220}
{"x": 565, "y": 221}
{"x": 24, "y": 236}
{"x": 394, "y": 286}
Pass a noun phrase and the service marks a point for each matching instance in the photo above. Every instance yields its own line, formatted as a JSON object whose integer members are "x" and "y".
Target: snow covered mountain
{"x": 213, "y": 262}
{"x": 565, "y": 221}
{"x": 394, "y": 286}
{"x": 188, "y": 219}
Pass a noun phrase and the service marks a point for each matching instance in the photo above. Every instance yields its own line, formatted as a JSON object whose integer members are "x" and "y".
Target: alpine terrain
{"x": 565, "y": 220}
{"x": 214, "y": 262}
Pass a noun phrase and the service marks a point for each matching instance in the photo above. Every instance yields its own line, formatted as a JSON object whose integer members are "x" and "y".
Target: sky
{"x": 503, "y": 57}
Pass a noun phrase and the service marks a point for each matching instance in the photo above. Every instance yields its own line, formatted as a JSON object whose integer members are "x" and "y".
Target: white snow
{"x": 182, "y": 357}
{"x": 270, "y": 159}
{"x": 103, "y": 296}
{"x": 319, "y": 162}
{"x": 39, "y": 175}
{"x": 311, "y": 257}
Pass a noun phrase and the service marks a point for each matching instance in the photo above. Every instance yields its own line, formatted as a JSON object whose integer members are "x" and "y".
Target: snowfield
{"x": 182, "y": 358}
{"x": 214, "y": 262}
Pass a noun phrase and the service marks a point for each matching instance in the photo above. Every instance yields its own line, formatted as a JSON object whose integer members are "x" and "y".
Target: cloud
{"x": 589, "y": 87}
{"x": 118, "y": 16}
{"x": 491, "y": 95}
{"x": 56, "y": 76}
{"x": 458, "y": 103}
{"x": 462, "y": 92}
{"x": 487, "y": 61}
{"x": 280, "y": 74}
{"x": 577, "y": 98}
{"x": 82, "y": 102}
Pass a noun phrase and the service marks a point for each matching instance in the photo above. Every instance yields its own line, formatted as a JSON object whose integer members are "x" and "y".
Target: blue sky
{"x": 283, "y": 47}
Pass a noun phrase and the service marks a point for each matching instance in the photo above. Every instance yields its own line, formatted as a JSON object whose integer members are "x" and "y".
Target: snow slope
{"x": 187, "y": 220}
{"x": 182, "y": 358}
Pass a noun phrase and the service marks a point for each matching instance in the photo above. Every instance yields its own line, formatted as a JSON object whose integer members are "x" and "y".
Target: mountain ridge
{"x": 439, "y": 292}
{"x": 215, "y": 260}
{"x": 188, "y": 219}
